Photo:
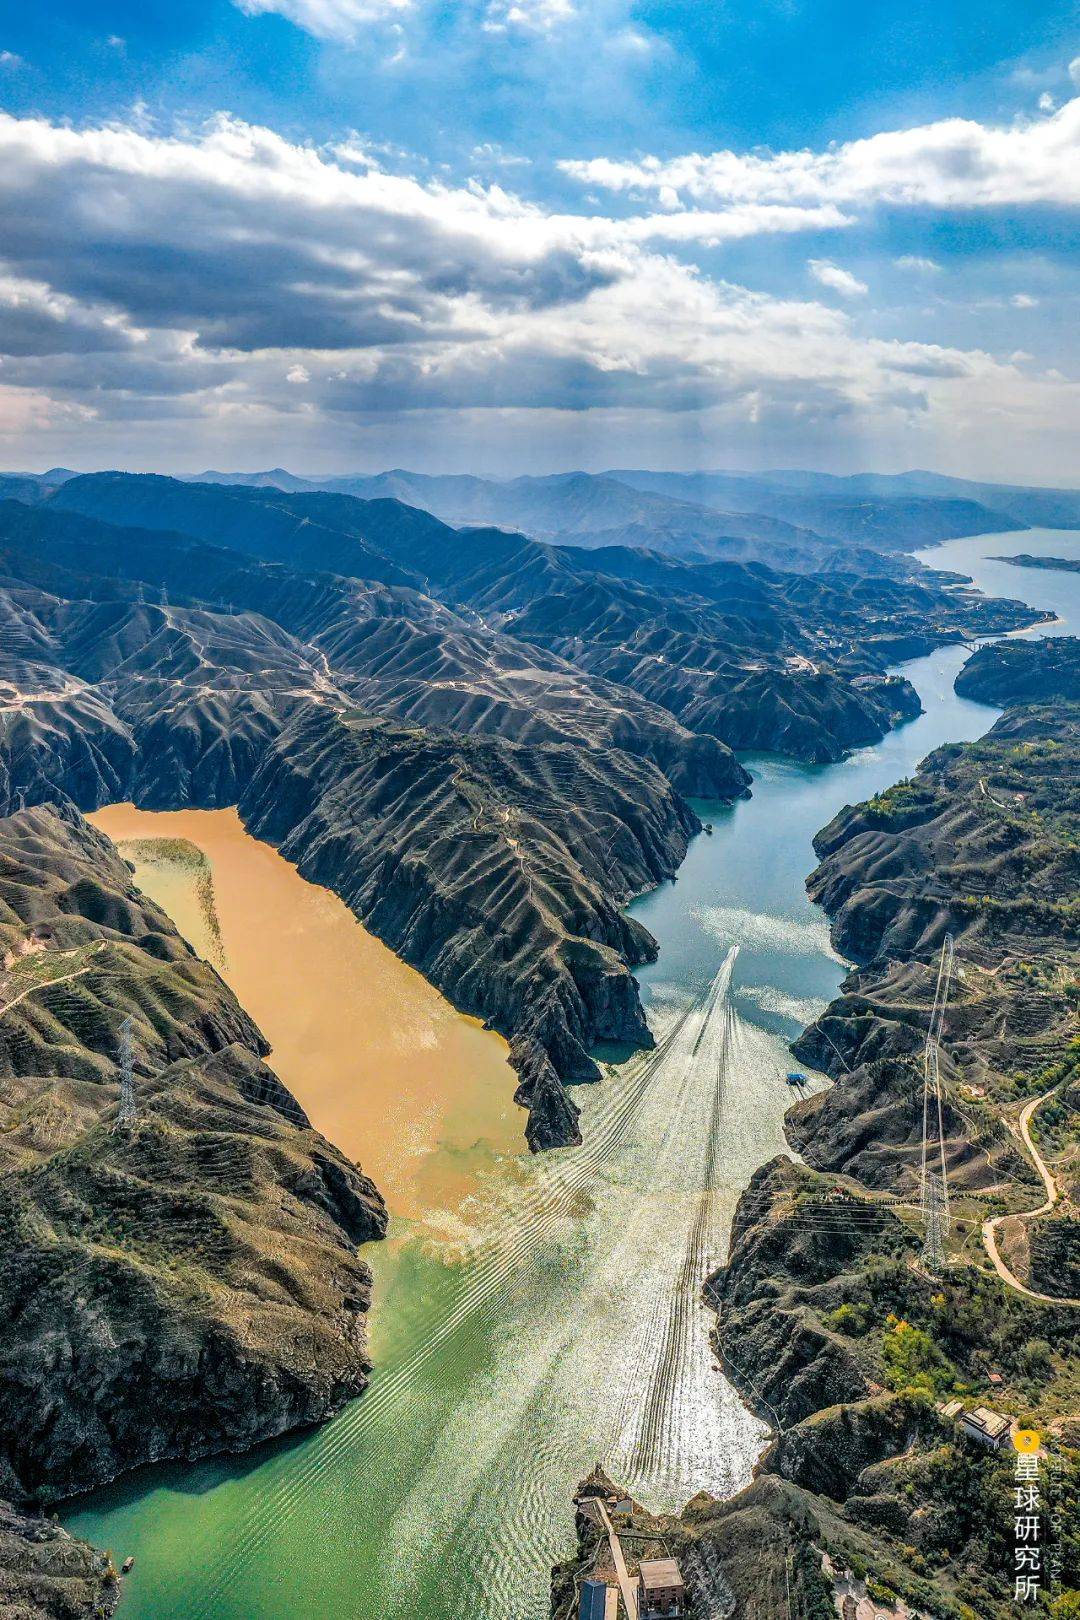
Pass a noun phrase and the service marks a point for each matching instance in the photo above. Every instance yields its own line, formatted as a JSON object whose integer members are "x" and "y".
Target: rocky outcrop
{"x": 499, "y": 871}
{"x": 979, "y": 845}
{"x": 182, "y": 1279}
{"x": 1025, "y": 559}
{"x": 1010, "y": 673}
{"x": 47, "y": 1574}
{"x": 790, "y": 1241}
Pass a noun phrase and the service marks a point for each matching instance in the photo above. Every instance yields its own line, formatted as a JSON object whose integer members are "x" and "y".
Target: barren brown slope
{"x": 187, "y": 1282}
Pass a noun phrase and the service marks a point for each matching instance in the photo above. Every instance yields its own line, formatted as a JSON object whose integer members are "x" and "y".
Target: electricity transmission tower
{"x": 125, "y": 1114}
{"x": 934, "y": 1178}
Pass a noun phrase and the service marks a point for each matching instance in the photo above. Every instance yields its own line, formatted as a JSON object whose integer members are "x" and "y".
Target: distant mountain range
{"x": 896, "y": 510}
{"x": 807, "y": 521}
{"x": 773, "y": 517}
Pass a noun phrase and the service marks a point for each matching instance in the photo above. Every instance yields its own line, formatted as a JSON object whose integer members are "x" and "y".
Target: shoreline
{"x": 876, "y": 751}
{"x": 750, "y": 1300}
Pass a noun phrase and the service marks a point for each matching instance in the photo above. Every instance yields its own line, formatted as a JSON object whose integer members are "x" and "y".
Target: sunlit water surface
{"x": 536, "y": 1314}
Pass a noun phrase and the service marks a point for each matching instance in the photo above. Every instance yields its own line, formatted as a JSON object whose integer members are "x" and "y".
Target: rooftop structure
{"x": 662, "y": 1593}
{"x": 599, "y": 1601}
{"x": 991, "y": 1428}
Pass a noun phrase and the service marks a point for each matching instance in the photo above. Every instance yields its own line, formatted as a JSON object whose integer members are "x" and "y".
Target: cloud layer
{"x": 329, "y": 19}
{"x": 226, "y": 278}
{"x": 955, "y": 163}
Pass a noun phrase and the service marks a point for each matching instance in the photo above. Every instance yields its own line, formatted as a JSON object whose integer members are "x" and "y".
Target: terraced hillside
{"x": 180, "y": 1272}
{"x": 983, "y": 843}
{"x": 815, "y": 647}
{"x": 829, "y": 1319}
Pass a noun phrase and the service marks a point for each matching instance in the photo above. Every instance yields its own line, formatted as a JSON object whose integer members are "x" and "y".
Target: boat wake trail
{"x": 569, "y": 1325}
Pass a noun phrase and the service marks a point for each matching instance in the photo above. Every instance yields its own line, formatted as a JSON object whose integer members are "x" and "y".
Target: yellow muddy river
{"x": 384, "y": 1066}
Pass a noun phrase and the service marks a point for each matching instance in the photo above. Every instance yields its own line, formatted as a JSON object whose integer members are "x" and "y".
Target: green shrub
{"x": 1036, "y": 1359}
{"x": 913, "y": 1361}
{"x": 850, "y": 1319}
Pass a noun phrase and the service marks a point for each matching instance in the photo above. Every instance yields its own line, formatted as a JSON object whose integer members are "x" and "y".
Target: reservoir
{"x": 532, "y": 1315}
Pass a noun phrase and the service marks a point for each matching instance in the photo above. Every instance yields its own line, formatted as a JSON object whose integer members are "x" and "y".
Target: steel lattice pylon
{"x": 125, "y": 1113}
{"x": 934, "y": 1176}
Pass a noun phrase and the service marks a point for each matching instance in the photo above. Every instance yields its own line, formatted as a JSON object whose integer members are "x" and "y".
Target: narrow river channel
{"x": 533, "y": 1315}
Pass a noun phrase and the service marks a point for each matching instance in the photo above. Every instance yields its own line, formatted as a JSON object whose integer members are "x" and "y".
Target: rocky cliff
{"x": 498, "y": 870}
{"x": 180, "y": 1272}
{"x": 980, "y": 844}
{"x": 46, "y": 1574}
{"x": 827, "y": 1317}
{"x": 829, "y": 1320}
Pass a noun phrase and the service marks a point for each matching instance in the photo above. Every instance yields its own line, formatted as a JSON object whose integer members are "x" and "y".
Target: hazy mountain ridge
{"x": 707, "y": 513}
{"x": 493, "y": 648}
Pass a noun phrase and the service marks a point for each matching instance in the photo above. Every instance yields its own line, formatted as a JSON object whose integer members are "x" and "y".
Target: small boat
{"x": 127, "y": 1566}
{"x": 794, "y": 1078}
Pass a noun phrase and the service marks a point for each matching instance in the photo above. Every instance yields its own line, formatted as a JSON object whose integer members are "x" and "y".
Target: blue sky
{"x": 518, "y": 235}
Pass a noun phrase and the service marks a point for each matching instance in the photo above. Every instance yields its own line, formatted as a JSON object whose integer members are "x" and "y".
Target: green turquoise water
{"x": 555, "y": 1318}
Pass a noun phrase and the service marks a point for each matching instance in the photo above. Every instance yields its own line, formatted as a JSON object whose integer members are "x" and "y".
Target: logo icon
{"x": 1026, "y": 1440}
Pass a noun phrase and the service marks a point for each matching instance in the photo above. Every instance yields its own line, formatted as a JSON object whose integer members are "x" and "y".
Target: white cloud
{"x": 36, "y": 319}
{"x": 490, "y": 155}
{"x": 836, "y": 278}
{"x": 10, "y": 59}
{"x": 534, "y": 16}
{"x": 633, "y": 42}
{"x": 179, "y": 228}
{"x": 328, "y": 19}
{"x": 131, "y": 257}
{"x": 916, "y": 262}
{"x": 1023, "y": 301}
{"x": 1074, "y": 71}
{"x": 344, "y": 20}
{"x": 955, "y": 163}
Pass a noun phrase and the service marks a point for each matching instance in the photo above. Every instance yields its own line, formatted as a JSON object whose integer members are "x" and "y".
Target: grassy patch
{"x": 180, "y": 857}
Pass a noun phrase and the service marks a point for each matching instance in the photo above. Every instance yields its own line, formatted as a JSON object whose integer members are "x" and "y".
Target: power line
{"x": 125, "y": 1114}
{"x": 934, "y": 1175}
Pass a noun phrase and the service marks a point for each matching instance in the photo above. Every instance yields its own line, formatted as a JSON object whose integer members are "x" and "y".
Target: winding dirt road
{"x": 47, "y": 984}
{"x": 988, "y": 1232}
